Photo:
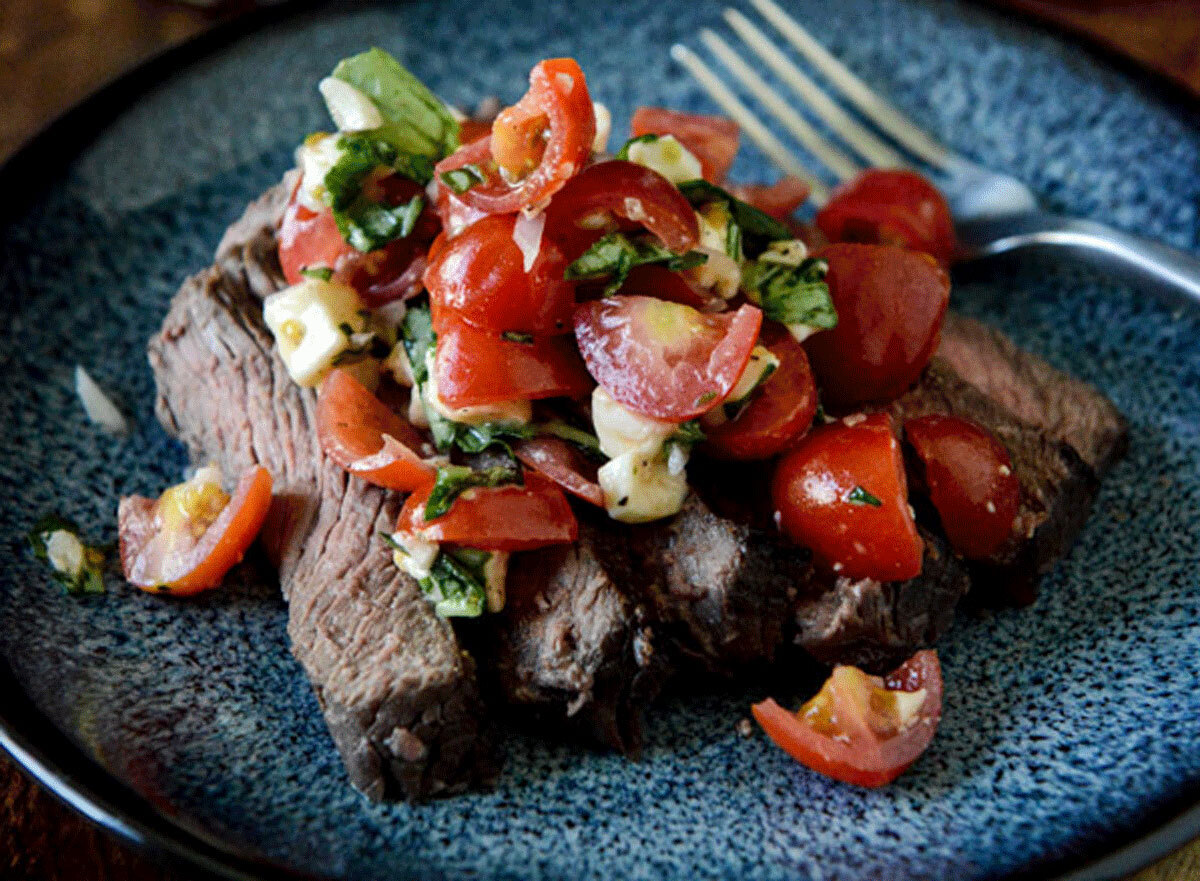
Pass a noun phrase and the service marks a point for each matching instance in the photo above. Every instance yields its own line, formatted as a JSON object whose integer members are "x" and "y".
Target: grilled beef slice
{"x": 397, "y": 692}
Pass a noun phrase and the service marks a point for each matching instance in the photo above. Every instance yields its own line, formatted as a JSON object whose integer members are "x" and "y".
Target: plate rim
{"x": 55, "y": 761}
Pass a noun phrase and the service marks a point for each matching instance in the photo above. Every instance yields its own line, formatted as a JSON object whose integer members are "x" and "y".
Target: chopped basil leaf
{"x": 616, "y": 255}
{"x": 750, "y": 221}
{"x": 687, "y": 434}
{"x": 367, "y": 226}
{"x": 792, "y": 295}
{"x": 364, "y": 223}
{"x": 419, "y": 338}
{"x": 392, "y": 543}
{"x": 415, "y": 120}
{"x": 517, "y": 336}
{"x": 87, "y": 573}
{"x": 320, "y": 273}
{"x": 585, "y": 440}
{"x": 477, "y": 438}
{"x": 859, "y": 496}
{"x": 453, "y": 480}
{"x": 820, "y": 417}
{"x": 733, "y": 240}
{"x": 623, "y": 153}
{"x": 456, "y": 585}
{"x": 462, "y": 179}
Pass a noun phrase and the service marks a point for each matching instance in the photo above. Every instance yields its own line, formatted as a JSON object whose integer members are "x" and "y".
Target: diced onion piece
{"x": 66, "y": 553}
{"x": 640, "y": 487}
{"x": 603, "y": 127}
{"x": 620, "y": 430}
{"x": 762, "y": 361}
{"x": 527, "y": 235}
{"x": 350, "y": 109}
{"x": 495, "y": 572}
{"x": 99, "y": 407}
{"x": 668, "y": 157}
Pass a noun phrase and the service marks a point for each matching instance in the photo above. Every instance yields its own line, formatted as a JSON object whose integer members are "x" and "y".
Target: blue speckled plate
{"x": 1071, "y": 728}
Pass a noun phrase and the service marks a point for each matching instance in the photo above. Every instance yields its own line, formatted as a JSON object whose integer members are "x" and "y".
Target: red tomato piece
{"x": 393, "y": 272}
{"x": 477, "y": 367}
{"x": 190, "y": 548}
{"x": 480, "y": 276}
{"x": 502, "y": 518}
{"x": 657, "y": 281}
{"x": 712, "y": 139}
{"x": 361, "y": 434}
{"x": 541, "y": 141}
{"x": 862, "y": 729}
{"x": 780, "y": 412}
{"x": 842, "y": 493}
{"x": 891, "y": 207}
{"x": 603, "y": 195}
{"x": 890, "y": 304}
{"x": 564, "y": 464}
{"x": 779, "y": 200}
{"x": 971, "y": 482}
{"x": 662, "y": 359}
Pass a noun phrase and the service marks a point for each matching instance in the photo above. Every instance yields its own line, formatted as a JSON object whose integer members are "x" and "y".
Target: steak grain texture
{"x": 398, "y": 694}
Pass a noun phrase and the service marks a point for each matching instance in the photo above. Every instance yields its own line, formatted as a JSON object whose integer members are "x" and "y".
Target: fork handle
{"x": 1137, "y": 260}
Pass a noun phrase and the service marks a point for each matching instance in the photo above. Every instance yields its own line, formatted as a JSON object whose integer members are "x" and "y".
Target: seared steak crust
{"x": 397, "y": 692}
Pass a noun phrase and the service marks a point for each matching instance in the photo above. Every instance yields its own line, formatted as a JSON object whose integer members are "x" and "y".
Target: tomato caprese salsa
{"x": 504, "y": 319}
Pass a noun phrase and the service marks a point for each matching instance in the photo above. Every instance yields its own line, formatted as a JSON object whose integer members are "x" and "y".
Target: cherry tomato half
{"x": 564, "y": 464}
{"x": 842, "y": 493}
{"x": 890, "y": 304}
{"x": 779, "y": 200}
{"x": 603, "y": 195}
{"x": 712, "y": 139}
{"x": 480, "y": 276}
{"x": 891, "y": 207}
{"x": 191, "y": 551}
{"x": 779, "y": 412}
{"x": 361, "y": 434}
{"x": 393, "y": 272}
{"x": 862, "y": 729}
{"x": 971, "y": 482}
{"x": 541, "y": 141}
{"x": 665, "y": 360}
{"x": 502, "y": 518}
{"x": 476, "y": 367}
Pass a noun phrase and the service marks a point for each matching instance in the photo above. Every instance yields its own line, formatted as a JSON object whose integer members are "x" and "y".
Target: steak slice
{"x": 1057, "y": 486}
{"x": 398, "y": 694}
{"x": 573, "y": 642}
{"x": 1061, "y": 406}
{"x": 877, "y": 626}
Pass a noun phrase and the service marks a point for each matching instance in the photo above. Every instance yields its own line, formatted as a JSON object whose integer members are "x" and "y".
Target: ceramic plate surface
{"x": 1068, "y": 726}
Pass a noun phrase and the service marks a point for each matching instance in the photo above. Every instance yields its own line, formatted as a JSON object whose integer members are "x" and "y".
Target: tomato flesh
{"x": 891, "y": 207}
{"x": 541, "y": 141}
{"x": 564, "y": 464}
{"x": 665, "y": 360}
{"x": 862, "y": 729}
{"x": 312, "y": 239}
{"x": 166, "y": 555}
{"x": 890, "y": 304}
{"x": 842, "y": 493}
{"x": 779, "y": 200}
{"x": 480, "y": 276}
{"x": 502, "y": 518}
{"x": 360, "y": 433}
{"x": 476, "y": 367}
{"x": 711, "y": 139}
{"x": 971, "y": 482}
{"x": 780, "y": 412}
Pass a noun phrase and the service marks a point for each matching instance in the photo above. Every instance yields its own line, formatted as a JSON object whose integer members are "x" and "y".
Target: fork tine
{"x": 853, "y": 133}
{"x": 838, "y": 162}
{"x": 751, "y": 125}
{"x": 884, "y": 114}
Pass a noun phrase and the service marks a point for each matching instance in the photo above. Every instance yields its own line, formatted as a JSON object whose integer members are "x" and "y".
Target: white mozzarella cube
{"x": 667, "y": 156}
{"x": 640, "y": 487}
{"x": 620, "y": 430}
{"x": 315, "y": 157}
{"x": 310, "y": 321}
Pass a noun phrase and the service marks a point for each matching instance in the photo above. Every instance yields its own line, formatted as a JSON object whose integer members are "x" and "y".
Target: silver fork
{"x": 994, "y": 214}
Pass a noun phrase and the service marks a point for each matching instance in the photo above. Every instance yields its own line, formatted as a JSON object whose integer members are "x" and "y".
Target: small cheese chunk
{"x": 720, "y": 273}
{"x": 315, "y": 157}
{"x": 620, "y": 430}
{"x": 640, "y": 487}
{"x": 667, "y": 156}
{"x": 414, "y": 555}
{"x": 310, "y": 321}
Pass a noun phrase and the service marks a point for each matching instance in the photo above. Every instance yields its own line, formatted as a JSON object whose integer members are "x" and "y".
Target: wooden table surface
{"x": 52, "y": 54}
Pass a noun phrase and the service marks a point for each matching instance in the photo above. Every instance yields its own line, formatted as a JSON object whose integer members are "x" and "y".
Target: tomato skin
{"x": 393, "y": 272}
{"x": 712, "y": 139}
{"x": 657, "y": 281}
{"x": 665, "y": 360}
{"x": 891, "y": 207}
{"x": 480, "y": 276}
{"x": 476, "y": 367}
{"x": 351, "y": 424}
{"x": 890, "y": 304}
{"x": 203, "y": 563}
{"x": 779, "y": 200}
{"x": 628, "y": 193}
{"x": 545, "y": 138}
{"x": 811, "y": 490}
{"x": 564, "y": 464}
{"x": 779, "y": 413}
{"x": 971, "y": 482}
{"x": 503, "y": 518}
{"x": 854, "y": 751}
